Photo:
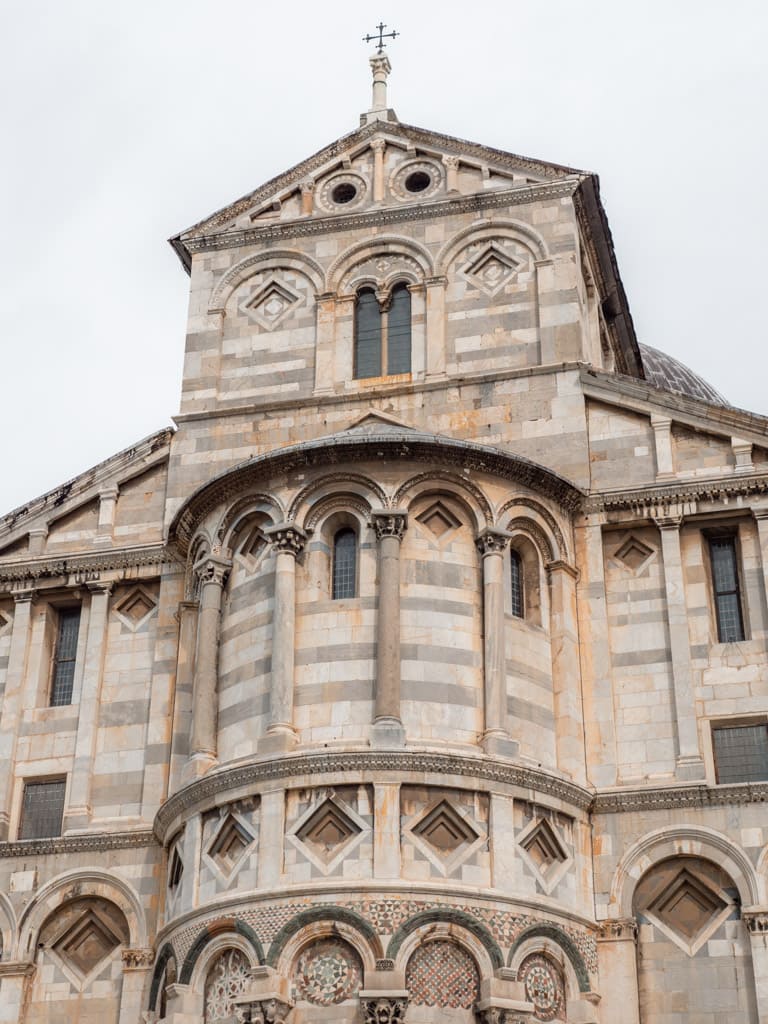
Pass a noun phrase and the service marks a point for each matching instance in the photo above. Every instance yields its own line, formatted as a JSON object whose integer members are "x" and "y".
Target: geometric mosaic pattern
{"x": 328, "y": 972}
{"x": 442, "y": 974}
{"x": 543, "y": 987}
{"x": 227, "y": 978}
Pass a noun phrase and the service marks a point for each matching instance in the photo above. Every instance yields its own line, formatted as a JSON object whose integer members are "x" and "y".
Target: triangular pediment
{"x": 375, "y": 422}
{"x": 418, "y": 166}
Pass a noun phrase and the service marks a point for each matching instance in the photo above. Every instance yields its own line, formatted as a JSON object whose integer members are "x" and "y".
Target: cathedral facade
{"x": 420, "y": 673}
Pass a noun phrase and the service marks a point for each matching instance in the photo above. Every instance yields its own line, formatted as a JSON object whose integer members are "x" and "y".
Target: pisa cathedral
{"x": 419, "y": 674}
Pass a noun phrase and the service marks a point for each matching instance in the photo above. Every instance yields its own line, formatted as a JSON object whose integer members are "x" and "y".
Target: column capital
{"x": 307, "y": 187}
{"x": 617, "y": 929}
{"x": 668, "y": 521}
{"x": 491, "y": 541}
{"x": 451, "y": 161}
{"x": 138, "y": 959}
{"x": 384, "y": 1007}
{"x": 756, "y": 921}
{"x": 23, "y": 592}
{"x": 213, "y": 569}
{"x": 389, "y": 523}
{"x": 99, "y": 587}
{"x": 378, "y": 145}
{"x": 558, "y": 565}
{"x": 287, "y": 537}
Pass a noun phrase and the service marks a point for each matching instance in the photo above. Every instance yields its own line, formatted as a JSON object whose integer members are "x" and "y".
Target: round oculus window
{"x": 418, "y": 181}
{"x": 344, "y": 192}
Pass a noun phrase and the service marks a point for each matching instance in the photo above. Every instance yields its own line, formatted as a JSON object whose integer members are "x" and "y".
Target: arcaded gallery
{"x": 418, "y": 673}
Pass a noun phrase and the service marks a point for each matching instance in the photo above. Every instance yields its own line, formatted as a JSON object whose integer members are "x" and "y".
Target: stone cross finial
{"x": 380, "y": 44}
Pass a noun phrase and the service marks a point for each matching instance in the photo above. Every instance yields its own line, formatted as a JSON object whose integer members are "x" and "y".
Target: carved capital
{"x": 384, "y": 1009}
{"x": 451, "y": 162}
{"x": 623, "y": 928}
{"x": 212, "y": 571}
{"x": 380, "y": 64}
{"x": 267, "y": 1011}
{"x": 492, "y": 542}
{"x": 389, "y": 524}
{"x": 22, "y": 592}
{"x": 668, "y": 522}
{"x": 99, "y": 586}
{"x": 287, "y": 537}
{"x": 307, "y": 187}
{"x": 379, "y": 145}
{"x": 138, "y": 959}
{"x": 756, "y": 921}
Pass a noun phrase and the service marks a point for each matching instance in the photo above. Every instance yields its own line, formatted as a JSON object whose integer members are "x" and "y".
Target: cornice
{"x": 409, "y": 445}
{"x": 387, "y": 763}
{"x": 664, "y": 499}
{"x": 86, "y": 843}
{"x": 309, "y": 226}
{"x": 86, "y": 565}
{"x": 698, "y": 795}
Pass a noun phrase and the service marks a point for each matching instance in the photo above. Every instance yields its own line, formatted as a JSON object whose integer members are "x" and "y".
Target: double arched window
{"x": 382, "y": 333}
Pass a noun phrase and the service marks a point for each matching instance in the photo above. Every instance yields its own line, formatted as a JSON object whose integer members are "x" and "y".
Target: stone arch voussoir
{"x": 457, "y": 919}
{"x": 215, "y": 930}
{"x": 384, "y": 245}
{"x": 452, "y": 485}
{"x": 304, "y": 507}
{"x": 563, "y": 941}
{"x": 255, "y": 264}
{"x": 487, "y": 230}
{"x": 548, "y": 522}
{"x": 330, "y": 916}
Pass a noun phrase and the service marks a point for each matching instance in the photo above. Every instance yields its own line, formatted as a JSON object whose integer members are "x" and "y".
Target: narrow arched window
{"x": 344, "y": 570}
{"x": 399, "y": 331}
{"x": 382, "y": 335}
{"x": 367, "y": 335}
{"x": 516, "y": 576}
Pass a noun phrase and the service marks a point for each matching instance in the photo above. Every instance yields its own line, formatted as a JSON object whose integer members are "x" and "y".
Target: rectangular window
{"x": 63, "y": 677}
{"x": 42, "y": 809}
{"x": 741, "y": 753}
{"x": 725, "y": 587}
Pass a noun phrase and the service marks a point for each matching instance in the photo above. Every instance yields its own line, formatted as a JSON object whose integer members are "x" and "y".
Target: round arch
{"x": 561, "y": 940}
{"x": 529, "y": 528}
{"x": 381, "y": 245}
{"x": 366, "y": 941}
{"x": 7, "y": 928}
{"x": 683, "y": 840}
{"x": 165, "y": 955}
{"x": 272, "y": 259}
{"x": 243, "y": 507}
{"x": 486, "y": 230}
{"x": 452, "y": 485}
{"x": 446, "y": 924}
{"x": 75, "y": 885}
{"x": 549, "y": 523}
{"x": 365, "y": 489}
{"x": 215, "y": 937}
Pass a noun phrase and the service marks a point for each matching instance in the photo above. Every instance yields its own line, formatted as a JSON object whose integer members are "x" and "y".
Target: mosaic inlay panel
{"x": 442, "y": 974}
{"x": 328, "y": 972}
{"x": 543, "y": 987}
{"x": 226, "y": 981}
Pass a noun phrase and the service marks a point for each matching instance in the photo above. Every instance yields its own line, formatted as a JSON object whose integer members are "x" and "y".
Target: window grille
{"x": 64, "y": 657}
{"x": 725, "y": 584}
{"x": 516, "y": 572}
{"x": 42, "y": 809}
{"x": 399, "y": 331}
{"x": 741, "y": 753}
{"x": 367, "y": 335}
{"x": 344, "y": 582}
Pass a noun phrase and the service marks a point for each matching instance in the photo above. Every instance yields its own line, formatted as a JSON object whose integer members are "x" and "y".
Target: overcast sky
{"x": 125, "y": 123}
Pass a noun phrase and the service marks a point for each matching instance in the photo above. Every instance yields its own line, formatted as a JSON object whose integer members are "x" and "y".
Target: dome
{"x": 664, "y": 371}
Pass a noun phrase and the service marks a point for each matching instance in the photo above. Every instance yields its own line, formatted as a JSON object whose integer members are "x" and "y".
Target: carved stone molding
{"x": 138, "y": 959}
{"x": 383, "y": 1008}
{"x": 676, "y": 497}
{"x": 697, "y": 795}
{"x": 492, "y": 542}
{"x": 287, "y": 537}
{"x": 78, "y": 844}
{"x": 387, "y": 523}
{"x": 756, "y": 921}
{"x": 208, "y": 787}
{"x": 621, "y": 929}
{"x": 103, "y": 561}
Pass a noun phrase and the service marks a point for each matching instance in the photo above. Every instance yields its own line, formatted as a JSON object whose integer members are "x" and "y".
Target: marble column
{"x": 288, "y": 541}
{"x": 451, "y": 164}
{"x": 378, "y": 146}
{"x": 689, "y": 761}
{"x": 496, "y": 740}
{"x": 387, "y": 725}
{"x": 617, "y": 953}
{"x": 757, "y": 924}
{"x": 14, "y": 680}
{"x": 78, "y": 813}
{"x": 137, "y": 973}
{"x": 307, "y": 197}
{"x": 212, "y": 575}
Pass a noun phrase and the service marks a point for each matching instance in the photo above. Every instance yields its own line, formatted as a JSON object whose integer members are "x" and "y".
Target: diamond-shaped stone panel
{"x": 229, "y": 844}
{"x": 438, "y": 519}
{"x": 491, "y": 269}
{"x": 327, "y": 830}
{"x": 544, "y": 847}
{"x": 688, "y": 906}
{"x": 445, "y": 829}
{"x": 135, "y": 607}
{"x": 633, "y": 553}
{"x": 270, "y": 304}
{"x": 85, "y": 945}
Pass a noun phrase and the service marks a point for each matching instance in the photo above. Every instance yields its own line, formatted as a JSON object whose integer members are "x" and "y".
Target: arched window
{"x": 344, "y": 569}
{"x": 518, "y": 584}
{"x": 382, "y": 335}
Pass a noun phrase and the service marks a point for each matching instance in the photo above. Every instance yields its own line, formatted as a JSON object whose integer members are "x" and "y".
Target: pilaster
{"x": 617, "y": 953}
{"x": 137, "y": 968}
{"x": 662, "y": 436}
{"x": 23, "y": 597}
{"x": 757, "y": 925}
{"x": 15, "y": 982}
{"x": 435, "y": 326}
{"x": 566, "y": 677}
{"x": 378, "y": 146}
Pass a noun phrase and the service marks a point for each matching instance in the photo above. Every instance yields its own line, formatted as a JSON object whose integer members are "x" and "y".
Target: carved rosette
{"x": 492, "y": 542}
{"x": 266, "y": 1011}
{"x": 384, "y": 1009}
{"x": 290, "y": 539}
{"x": 389, "y": 524}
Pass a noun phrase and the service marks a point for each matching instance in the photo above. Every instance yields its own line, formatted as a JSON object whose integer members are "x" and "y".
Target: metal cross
{"x": 379, "y": 40}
